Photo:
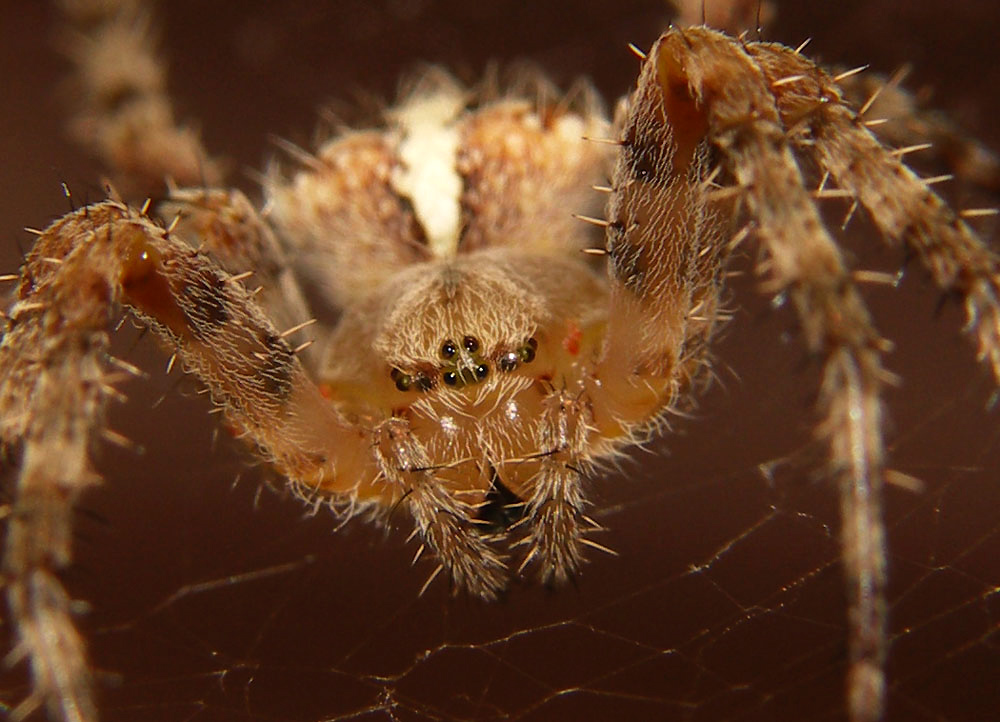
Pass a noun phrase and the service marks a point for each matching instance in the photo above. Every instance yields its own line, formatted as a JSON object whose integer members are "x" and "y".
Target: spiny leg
{"x": 555, "y": 511}
{"x": 903, "y": 207}
{"x": 54, "y": 386}
{"x": 716, "y": 74}
{"x": 55, "y": 379}
{"x": 667, "y": 246}
{"x": 666, "y": 249}
{"x": 124, "y": 114}
{"x": 225, "y": 224}
{"x": 443, "y": 522}
{"x": 897, "y": 118}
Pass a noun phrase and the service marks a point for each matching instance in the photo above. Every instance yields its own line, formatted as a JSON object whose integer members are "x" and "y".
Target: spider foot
{"x": 557, "y": 524}
{"x": 446, "y": 525}
{"x": 464, "y": 553}
{"x": 555, "y": 543}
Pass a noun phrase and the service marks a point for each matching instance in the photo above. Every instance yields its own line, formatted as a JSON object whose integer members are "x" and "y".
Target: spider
{"x": 482, "y": 431}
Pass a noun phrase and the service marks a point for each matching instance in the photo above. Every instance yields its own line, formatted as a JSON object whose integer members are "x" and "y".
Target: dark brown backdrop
{"x": 211, "y": 603}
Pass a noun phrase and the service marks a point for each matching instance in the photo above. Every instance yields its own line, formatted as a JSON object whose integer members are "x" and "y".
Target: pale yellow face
{"x": 467, "y": 350}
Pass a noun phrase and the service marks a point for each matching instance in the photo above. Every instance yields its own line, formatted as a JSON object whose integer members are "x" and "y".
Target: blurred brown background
{"x": 213, "y": 602}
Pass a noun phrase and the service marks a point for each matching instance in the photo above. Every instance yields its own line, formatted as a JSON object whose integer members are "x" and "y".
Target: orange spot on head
{"x": 326, "y": 391}
{"x": 571, "y": 342}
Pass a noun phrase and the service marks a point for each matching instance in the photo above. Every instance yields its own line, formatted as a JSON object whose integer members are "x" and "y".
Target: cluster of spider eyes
{"x": 460, "y": 374}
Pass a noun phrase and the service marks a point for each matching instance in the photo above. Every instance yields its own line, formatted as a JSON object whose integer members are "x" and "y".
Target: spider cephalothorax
{"x": 510, "y": 288}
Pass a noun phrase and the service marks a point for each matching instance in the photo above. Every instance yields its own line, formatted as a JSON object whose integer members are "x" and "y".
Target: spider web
{"x": 218, "y": 601}
{"x": 726, "y": 602}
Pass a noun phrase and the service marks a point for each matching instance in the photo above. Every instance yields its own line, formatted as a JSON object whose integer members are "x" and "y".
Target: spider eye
{"x": 403, "y": 381}
{"x": 450, "y": 378}
{"x": 481, "y": 371}
{"x": 448, "y": 349}
{"x": 508, "y": 362}
{"x": 527, "y": 352}
{"x": 424, "y": 383}
{"x": 471, "y": 344}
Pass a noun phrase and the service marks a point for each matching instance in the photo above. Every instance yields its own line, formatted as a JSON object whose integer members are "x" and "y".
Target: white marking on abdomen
{"x": 428, "y": 176}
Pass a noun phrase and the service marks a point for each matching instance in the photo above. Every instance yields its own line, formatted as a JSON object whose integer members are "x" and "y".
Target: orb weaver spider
{"x": 522, "y": 350}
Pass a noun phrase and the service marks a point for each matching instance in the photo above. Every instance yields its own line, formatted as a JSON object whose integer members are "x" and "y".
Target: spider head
{"x": 457, "y": 323}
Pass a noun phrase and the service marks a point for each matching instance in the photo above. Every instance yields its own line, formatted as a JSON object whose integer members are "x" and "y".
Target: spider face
{"x": 473, "y": 345}
{"x": 447, "y": 315}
